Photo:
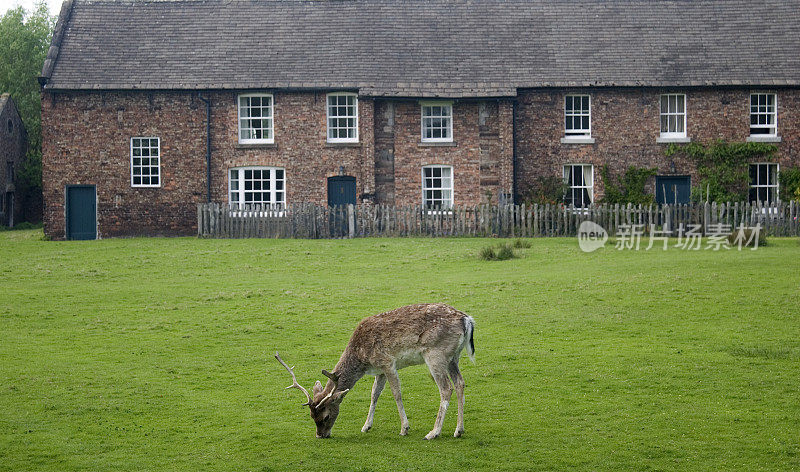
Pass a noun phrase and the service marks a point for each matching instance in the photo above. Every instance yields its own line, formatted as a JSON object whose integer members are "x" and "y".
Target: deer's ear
{"x": 333, "y": 377}
{"x": 317, "y": 388}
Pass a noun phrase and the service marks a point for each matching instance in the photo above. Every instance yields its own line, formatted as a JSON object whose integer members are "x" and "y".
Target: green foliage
{"x": 501, "y": 252}
{"x": 488, "y": 253}
{"x": 520, "y": 243}
{"x": 157, "y": 354}
{"x": 24, "y": 41}
{"x": 789, "y": 183}
{"x": 505, "y": 252}
{"x": 629, "y": 188}
{"x": 24, "y": 226}
{"x": 546, "y": 189}
{"x": 722, "y": 167}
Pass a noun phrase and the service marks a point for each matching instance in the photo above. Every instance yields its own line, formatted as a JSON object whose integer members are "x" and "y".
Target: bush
{"x": 488, "y": 254}
{"x": 549, "y": 189}
{"x": 501, "y": 252}
{"x": 747, "y": 240}
{"x": 21, "y": 226}
{"x": 505, "y": 252}
{"x": 629, "y": 187}
{"x": 521, "y": 244}
{"x": 790, "y": 183}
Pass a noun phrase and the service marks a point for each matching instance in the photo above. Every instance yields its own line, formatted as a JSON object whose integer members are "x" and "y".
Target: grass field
{"x": 156, "y": 354}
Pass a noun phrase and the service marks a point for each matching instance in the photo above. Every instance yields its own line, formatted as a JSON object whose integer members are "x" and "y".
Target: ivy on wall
{"x": 723, "y": 168}
{"x": 627, "y": 188}
{"x": 547, "y": 189}
{"x": 789, "y": 180}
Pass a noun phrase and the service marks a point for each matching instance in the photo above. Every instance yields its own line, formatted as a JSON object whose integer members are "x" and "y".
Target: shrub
{"x": 549, "y": 189}
{"x": 628, "y": 188}
{"x": 22, "y": 226}
{"x": 505, "y": 252}
{"x": 521, "y": 244}
{"x": 748, "y": 239}
{"x": 790, "y": 183}
{"x": 488, "y": 254}
{"x": 500, "y": 252}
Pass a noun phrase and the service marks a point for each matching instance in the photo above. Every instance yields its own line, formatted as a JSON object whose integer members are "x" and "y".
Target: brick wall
{"x": 625, "y": 125}
{"x": 481, "y": 151}
{"x": 87, "y": 135}
{"x": 86, "y": 140}
{"x": 300, "y": 147}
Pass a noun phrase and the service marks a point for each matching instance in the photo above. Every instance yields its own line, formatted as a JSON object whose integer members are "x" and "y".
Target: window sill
{"x": 437, "y": 144}
{"x": 256, "y": 146}
{"x": 329, "y": 144}
{"x": 763, "y": 139}
{"x": 577, "y": 140}
{"x": 661, "y": 140}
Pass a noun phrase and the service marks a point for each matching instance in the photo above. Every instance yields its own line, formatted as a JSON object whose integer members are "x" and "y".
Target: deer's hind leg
{"x": 458, "y": 382}
{"x": 377, "y": 388}
{"x": 437, "y": 364}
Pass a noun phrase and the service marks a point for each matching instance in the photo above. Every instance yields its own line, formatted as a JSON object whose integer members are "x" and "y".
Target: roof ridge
{"x": 55, "y": 43}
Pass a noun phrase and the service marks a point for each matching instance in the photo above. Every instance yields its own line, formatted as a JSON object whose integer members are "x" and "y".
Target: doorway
{"x": 81, "y": 212}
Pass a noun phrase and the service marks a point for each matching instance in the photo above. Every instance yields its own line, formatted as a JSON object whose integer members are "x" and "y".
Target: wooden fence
{"x": 305, "y": 220}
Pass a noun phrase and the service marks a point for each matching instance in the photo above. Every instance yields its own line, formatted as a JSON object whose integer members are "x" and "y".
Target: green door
{"x": 81, "y": 212}
{"x": 341, "y": 190}
{"x": 673, "y": 189}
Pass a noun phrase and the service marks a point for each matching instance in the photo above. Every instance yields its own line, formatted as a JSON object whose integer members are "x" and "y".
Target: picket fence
{"x": 306, "y": 220}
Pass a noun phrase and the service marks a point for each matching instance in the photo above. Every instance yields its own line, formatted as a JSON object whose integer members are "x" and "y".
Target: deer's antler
{"x": 294, "y": 379}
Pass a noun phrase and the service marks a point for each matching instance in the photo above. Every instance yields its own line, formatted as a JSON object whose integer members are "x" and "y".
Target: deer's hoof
{"x": 458, "y": 433}
{"x": 404, "y": 430}
{"x": 431, "y": 435}
{"x": 366, "y": 428}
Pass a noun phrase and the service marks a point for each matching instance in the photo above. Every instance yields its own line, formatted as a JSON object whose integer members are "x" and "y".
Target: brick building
{"x": 150, "y": 107}
{"x": 13, "y": 146}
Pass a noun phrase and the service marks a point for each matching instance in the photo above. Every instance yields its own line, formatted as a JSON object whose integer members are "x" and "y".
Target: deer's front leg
{"x": 377, "y": 388}
{"x": 394, "y": 384}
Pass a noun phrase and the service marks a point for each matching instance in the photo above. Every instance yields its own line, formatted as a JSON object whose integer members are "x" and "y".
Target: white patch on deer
{"x": 407, "y": 358}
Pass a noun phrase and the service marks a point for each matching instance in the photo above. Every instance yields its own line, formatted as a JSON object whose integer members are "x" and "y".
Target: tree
{"x": 24, "y": 41}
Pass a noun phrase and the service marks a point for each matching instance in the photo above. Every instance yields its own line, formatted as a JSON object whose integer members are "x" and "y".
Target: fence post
{"x": 351, "y": 221}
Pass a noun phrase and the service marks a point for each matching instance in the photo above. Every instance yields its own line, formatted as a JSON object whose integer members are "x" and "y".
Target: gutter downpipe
{"x": 207, "y": 101}
{"x": 514, "y": 151}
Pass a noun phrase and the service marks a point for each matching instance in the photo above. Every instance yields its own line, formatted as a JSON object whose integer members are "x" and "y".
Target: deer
{"x": 433, "y": 334}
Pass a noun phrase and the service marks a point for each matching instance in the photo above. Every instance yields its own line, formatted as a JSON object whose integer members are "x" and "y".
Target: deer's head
{"x": 324, "y": 404}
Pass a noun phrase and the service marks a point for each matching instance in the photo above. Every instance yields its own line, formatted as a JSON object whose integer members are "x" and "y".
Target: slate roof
{"x": 423, "y": 48}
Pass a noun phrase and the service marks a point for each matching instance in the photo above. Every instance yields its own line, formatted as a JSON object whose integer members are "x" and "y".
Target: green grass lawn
{"x": 156, "y": 354}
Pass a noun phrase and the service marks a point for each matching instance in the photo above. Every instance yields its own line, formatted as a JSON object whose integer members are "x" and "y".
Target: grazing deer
{"x": 381, "y": 345}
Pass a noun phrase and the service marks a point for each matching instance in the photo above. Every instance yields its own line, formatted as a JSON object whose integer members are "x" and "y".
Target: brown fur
{"x": 433, "y": 334}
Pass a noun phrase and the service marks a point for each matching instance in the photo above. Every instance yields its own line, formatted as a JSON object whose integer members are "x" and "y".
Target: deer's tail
{"x": 469, "y": 339}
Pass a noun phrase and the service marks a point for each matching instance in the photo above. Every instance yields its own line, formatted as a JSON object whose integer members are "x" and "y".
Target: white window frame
{"x": 354, "y": 117}
{"x": 758, "y": 185}
{"x": 150, "y": 166}
{"x": 582, "y": 134}
{"x": 240, "y": 118}
{"x": 679, "y": 115}
{"x": 446, "y": 203}
{"x": 236, "y": 198}
{"x": 588, "y": 187}
{"x": 448, "y": 117}
{"x": 773, "y": 114}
